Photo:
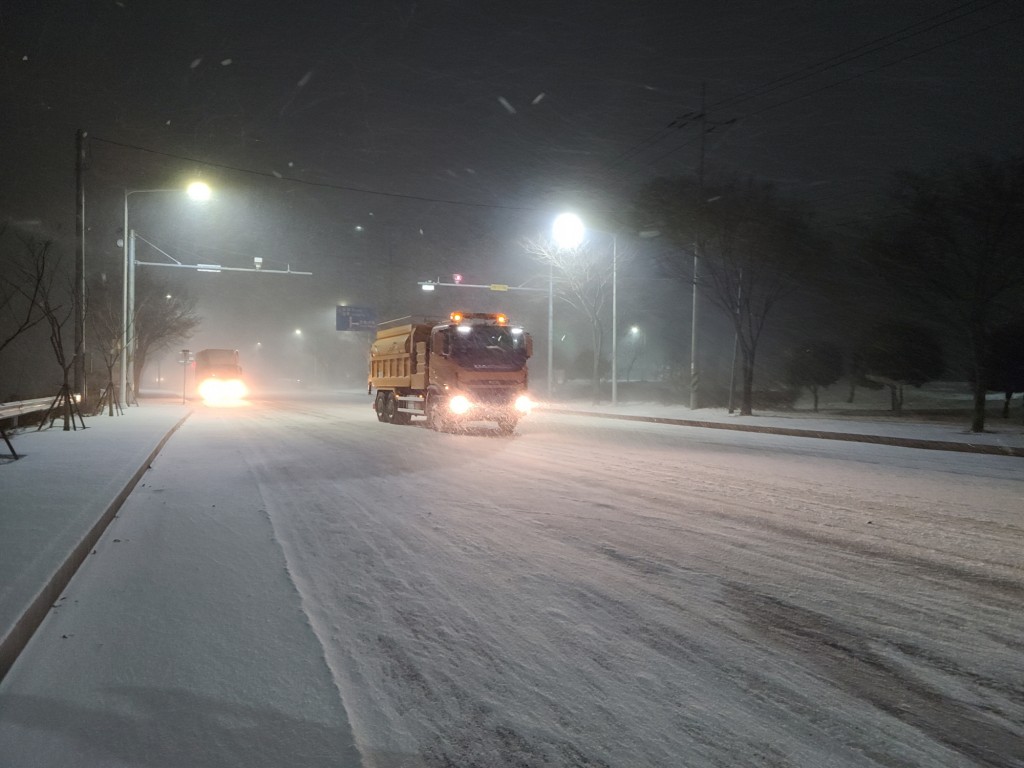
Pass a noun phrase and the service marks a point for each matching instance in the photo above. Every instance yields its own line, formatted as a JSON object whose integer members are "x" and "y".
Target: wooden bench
{"x": 11, "y": 411}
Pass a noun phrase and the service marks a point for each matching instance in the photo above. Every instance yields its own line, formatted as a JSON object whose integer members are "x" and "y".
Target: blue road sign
{"x": 356, "y": 319}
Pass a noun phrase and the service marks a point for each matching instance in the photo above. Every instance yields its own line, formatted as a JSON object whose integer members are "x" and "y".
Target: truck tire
{"x": 379, "y": 405}
{"x": 435, "y": 413}
{"x": 391, "y": 409}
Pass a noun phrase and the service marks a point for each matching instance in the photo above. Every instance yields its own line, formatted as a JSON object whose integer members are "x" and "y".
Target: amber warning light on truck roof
{"x": 499, "y": 318}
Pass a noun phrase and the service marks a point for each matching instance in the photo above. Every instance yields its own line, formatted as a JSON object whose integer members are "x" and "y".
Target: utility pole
{"x": 79, "y": 383}
{"x": 615, "y": 319}
{"x": 698, "y": 246}
{"x": 694, "y": 369}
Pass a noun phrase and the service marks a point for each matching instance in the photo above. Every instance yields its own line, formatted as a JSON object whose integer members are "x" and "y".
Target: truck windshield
{"x": 220, "y": 371}
{"x": 496, "y": 348}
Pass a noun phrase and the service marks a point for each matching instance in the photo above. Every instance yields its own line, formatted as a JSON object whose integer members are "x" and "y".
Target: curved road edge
{"x": 12, "y": 644}
{"x": 903, "y": 442}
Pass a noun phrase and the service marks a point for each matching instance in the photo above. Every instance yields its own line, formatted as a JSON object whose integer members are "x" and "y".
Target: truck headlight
{"x": 235, "y": 389}
{"x": 524, "y": 404}
{"x": 459, "y": 404}
{"x": 223, "y": 391}
{"x": 211, "y": 389}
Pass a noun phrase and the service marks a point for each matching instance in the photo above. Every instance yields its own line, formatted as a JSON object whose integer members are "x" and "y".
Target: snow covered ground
{"x": 293, "y": 578}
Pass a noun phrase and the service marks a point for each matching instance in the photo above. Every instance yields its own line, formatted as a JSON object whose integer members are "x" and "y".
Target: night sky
{"x": 380, "y": 143}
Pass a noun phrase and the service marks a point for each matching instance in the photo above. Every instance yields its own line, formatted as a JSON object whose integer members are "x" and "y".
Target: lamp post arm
{"x": 156, "y": 248}
{"x": 497, "y": 287}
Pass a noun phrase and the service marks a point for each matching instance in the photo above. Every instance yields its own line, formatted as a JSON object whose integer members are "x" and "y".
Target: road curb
{"x": 903, "y": 442}
{"x": 14, "y": 642}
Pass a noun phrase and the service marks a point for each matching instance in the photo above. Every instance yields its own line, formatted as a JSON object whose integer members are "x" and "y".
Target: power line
{"x": 853, "y": 54}
{"x": 320, "y": 184}
{"x": 832, "y": 62}
{"x": 887, "y": 64}
{"x": 654, "y": 138}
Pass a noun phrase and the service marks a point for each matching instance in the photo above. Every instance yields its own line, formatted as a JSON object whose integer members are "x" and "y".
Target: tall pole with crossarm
{"x": 568, "y": 231}
{"x": 198, "y": 191}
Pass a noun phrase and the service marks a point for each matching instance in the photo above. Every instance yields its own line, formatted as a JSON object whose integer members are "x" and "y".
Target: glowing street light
{"x": 199, "y": 191}
{"x": 568, "y": 231}
{"x": 636, "y": 333}
{"x": 196, "y": 190}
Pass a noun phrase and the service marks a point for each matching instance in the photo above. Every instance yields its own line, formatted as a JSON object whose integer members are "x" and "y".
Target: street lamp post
{"x": 551, "y": 328}
{"x": 694, "y": 371}
{"x": 639, "y": 338}
{"x": 568, "y": 232}
{"x": 197, "y": 190}
{"x": 615, "y": 321}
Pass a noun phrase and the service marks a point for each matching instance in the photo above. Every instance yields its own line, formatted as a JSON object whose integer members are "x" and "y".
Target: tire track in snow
{"x": 848, "y": 659}
{"x": 499, "y": 603}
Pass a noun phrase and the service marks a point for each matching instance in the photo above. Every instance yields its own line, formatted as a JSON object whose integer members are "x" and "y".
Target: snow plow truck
{"x": 470, "y": 368}
{"x": 218, "y": 376}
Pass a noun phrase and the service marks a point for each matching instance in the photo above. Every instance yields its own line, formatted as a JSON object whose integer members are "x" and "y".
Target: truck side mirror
{"x": 529, "y": 345}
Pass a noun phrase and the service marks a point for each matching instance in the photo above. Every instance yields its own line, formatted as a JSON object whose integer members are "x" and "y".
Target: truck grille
{"x": 497, "y": 394}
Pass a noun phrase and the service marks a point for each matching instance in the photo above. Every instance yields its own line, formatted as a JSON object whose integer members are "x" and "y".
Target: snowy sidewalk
{"x": 182, "y": 641}
{"x": 57, "y": 498}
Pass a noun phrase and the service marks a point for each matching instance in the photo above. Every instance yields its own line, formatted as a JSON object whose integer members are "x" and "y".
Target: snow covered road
{"x": 585, "y": 593}
{"x": 601, "y": 594}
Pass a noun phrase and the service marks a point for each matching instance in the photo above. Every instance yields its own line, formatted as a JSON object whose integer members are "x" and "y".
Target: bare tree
{"x": 19, "y": 294}
{"x": 895, "y": 354}
{"x": 583, "y": 281}
{"x": 814, "y": 363}
{"x": 754, "y": 250}
{"x": 955, "y": 244}
{"x": 104, "y": 323}
{"x": 52, "y": 298}
{"x": 161, "y": 318}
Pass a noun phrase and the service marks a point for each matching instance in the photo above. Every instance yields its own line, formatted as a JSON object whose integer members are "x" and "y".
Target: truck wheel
{"x": 391, "y": 409}
{"x": 379, "y": 404}
{"x": 435, "y": 414}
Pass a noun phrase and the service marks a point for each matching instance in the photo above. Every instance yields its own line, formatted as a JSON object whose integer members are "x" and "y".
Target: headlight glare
{"x": 459, "y": 404}
{"x": 223, "y": 391}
